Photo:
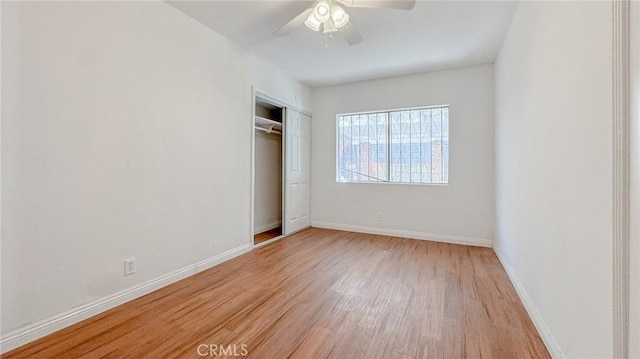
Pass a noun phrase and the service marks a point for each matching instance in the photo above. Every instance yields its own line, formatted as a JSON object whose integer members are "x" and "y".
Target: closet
{"x": 281, "y": 169}
{"x": 268, "y": 174}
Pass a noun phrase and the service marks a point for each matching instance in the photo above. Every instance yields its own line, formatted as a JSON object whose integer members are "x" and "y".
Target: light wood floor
{"x": 320, "y": 294}
{"x": 265, "y": 236}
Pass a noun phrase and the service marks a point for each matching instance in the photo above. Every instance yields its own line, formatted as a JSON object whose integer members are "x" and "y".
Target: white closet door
{"x": 298, "y": 171}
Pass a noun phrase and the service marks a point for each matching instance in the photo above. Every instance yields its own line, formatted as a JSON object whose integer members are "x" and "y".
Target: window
{"x": 398, "y": 146}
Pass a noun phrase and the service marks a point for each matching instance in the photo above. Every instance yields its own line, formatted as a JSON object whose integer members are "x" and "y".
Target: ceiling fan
{"x": 330, "y": 17}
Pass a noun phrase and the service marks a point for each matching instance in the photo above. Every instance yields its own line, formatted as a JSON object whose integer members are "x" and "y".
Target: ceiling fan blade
{"x": 385, "y": 4}
{"x": 351, "y": 34}
{"x": 295, "y": 22}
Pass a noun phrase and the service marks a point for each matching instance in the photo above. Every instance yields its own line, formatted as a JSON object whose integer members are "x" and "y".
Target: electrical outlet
{"x": 129, "y": 266}
{"x": 379, "y": 218}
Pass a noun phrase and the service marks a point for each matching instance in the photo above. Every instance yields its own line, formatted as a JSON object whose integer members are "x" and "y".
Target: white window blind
{"x": 398, "y": 146}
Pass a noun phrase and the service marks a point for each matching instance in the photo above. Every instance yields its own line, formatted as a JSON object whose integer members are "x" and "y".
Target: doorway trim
{"x": 621, "y": 176}
{"x": 634, "y": 214}
{"x": 276, "y": 100}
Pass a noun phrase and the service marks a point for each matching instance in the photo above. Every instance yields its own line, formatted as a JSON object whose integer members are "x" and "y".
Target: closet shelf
{"x": 267, "y": 125}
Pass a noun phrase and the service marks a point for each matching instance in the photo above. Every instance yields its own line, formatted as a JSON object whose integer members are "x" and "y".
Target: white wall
{"x": 464, "y": 208}
{"x": 126, "y": 132}
{"x": 553, "y": 170}
{"x": 268, "y": 181}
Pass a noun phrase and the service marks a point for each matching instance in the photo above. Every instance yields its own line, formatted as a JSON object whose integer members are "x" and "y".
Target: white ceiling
{"x": 434, "y": 35}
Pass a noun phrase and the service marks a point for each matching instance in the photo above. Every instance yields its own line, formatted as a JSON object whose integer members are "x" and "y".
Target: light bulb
{"x": 322, "y": 11}
{"x": 339, "y": 16}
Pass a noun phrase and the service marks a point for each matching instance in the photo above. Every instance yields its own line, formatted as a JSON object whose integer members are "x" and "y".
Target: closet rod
{"x": 268, "y": 130}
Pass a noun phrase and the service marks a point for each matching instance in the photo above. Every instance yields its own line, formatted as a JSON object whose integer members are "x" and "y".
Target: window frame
{"x": 388, "y": 112}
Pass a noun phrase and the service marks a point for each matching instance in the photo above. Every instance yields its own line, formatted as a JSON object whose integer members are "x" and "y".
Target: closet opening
{"x": 268, "y": 170}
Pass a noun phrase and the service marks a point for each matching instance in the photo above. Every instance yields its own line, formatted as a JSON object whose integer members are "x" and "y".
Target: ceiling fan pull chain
{"x": 327, "y": 36}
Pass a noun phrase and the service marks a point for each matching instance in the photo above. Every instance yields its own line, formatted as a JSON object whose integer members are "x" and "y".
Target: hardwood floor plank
{"x": 355, "y": 343}
{"x": 430, "y": 348}
{"x": 267, "y": 235}
{"x": 319, "y": 294}
{"x": 316, "y": 344}
{"x": 432, "y": 326}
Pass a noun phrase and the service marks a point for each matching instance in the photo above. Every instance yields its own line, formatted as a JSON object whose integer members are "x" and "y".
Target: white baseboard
{"x": 538, "y": 321}
{"x": 54, "y": 323}
{"x": 267, "y": 227}
{"x": 479, "y": 242}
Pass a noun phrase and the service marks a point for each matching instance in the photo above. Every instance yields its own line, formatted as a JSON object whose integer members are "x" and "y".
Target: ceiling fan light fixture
{"x": 313, "y": 23}
{"x": 339, "y": 16}
{"x": 322, "y": 11}
{"x": 329, "y": 27}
